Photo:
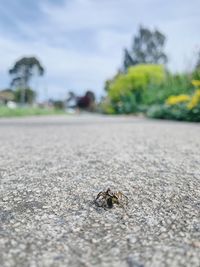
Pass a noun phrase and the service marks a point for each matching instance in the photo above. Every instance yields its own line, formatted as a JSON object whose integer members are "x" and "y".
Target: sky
{"x": 80, "y": 43}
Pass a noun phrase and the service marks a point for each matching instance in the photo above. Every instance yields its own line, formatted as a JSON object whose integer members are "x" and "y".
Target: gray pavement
{"x": 51, "y": 169}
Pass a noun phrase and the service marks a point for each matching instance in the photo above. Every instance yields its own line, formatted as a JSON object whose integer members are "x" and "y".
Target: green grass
{"x": 27, "y": 111}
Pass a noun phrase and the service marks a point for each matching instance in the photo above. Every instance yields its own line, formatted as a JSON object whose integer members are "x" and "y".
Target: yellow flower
{"x": 196, "y": 83}
{"x": 195, "y": 100}
{"x": 173, "y": 100}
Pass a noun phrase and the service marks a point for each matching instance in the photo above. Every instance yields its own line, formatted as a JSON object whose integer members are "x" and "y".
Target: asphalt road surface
{"x": 52, "y": 168}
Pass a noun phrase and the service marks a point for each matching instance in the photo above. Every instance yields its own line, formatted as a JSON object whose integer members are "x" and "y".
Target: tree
{"x": 87, "y": 101}
{"x": 128, "y": 60}
{"x": 29, "y": 95}
{"x": 147, "y": 48}
{"x": 22, "y": 72}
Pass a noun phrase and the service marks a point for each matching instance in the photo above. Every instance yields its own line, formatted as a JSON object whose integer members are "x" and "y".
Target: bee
{"x": 107, "y": 199}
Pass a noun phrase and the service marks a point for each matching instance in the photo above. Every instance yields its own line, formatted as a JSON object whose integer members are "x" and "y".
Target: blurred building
{"x": 6, "y": 96}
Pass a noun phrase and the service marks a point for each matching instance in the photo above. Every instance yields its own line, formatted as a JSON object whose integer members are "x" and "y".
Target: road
{"x": 52, "y": 168}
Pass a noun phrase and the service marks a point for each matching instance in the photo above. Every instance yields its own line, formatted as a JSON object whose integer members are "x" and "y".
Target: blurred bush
{"x": 58, "y": 104}
{"x": 125, "y": 91}
{"x": 173, "y": 84}
{"x": 29, "y": 95}
{"x": 150, "y": 89}
{"x": 180, "y": 107}
{"x": 145, "y": 86}
{"x": 174, "y": 100}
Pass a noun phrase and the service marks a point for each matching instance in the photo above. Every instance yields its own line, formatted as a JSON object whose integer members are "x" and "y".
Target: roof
{"x": 6, "y": 95}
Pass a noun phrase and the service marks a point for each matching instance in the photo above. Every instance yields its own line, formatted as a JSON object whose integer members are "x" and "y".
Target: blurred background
{"x": 108, "y": 56}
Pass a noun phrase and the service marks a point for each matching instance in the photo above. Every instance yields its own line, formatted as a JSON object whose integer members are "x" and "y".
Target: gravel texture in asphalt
{"x": 52, "y": 168}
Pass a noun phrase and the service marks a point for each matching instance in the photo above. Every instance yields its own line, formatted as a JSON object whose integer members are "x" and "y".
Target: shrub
{"x": 106, "y": 107}
{"x": 163, "y": 111}
{"x": 150, "y": 89}
{"x": 177, "y": 112}
{"x": 172, "y": 85}
{"x": 135, "y": 80}
{"x": 126, "y": 89}
{"x": 180, "y": 107}
{"x": 29, "y": 95}
{"x": 195, "y": 100}
{"x": 174, "y": 100}
{"x": 127, "y": 104}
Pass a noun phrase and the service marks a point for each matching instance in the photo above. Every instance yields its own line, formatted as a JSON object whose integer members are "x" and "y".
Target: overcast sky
{"x": 80, "y": 42}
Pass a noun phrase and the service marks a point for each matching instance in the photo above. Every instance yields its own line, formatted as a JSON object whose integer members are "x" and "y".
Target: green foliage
{"x": 27, "y": 111}
{"x": 119, "y": 87}
{"x": 135, "y": 81}
{"x": 146, "y": 88}
{"x": 147, "y": 48}
{"x": 29, "y": 95}
{"x": 23, "y": 70}
{"x": 126, "y": 105}
{"x": 58, "y": 104}
{"x": 149, "y": 89}
{"x": 177, "y": 112}
{"x": 196, "y": 73}
{"x": 180, "y": 107}
{"x": 172, "y": 85}
{"x": 106, "y": 107}
{"x": 125, "y": 90}
{"x": 128, "y": 60}
{"x": 146, "y": 74}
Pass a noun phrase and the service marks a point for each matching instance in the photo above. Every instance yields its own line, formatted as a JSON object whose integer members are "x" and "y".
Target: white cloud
{"x": 81, "y": 42}
{"x": 86, "y": 14}
{"x": 69, "y": 68}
